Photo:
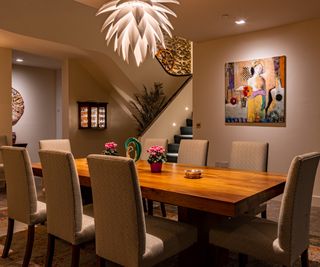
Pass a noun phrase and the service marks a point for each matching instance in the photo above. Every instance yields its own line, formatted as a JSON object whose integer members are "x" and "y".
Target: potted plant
{"x": 157, "y": 155}
{"x": 110, "y": 149}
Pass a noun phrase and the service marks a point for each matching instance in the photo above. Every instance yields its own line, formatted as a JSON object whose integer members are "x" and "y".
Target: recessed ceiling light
{"x": 240, "y": 22}
{"x": 19, "y": 60}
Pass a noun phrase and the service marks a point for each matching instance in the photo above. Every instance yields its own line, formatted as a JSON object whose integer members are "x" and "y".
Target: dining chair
{"x": 65, "y": 217}
{"x": 251, "y": 156}
{"x": 149, "y": 142}
{"x": 55, "y": 144}
{"x": 3, "y": 142}
{"x": 281, "y": 242}
{"x": 22, "y": 202}
{"x": 193, "y": 152}
{"x": 123, "y": 234}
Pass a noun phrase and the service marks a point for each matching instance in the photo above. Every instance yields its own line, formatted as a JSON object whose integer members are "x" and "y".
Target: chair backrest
{"x": 193, "y": 152}
{"x": 148, "y": 142}
{"x": 3, "y": 142}
{"x": 63, "y": 197}
{"x": 249, "y": 156}
{"x": 117, "y": 203}
{"x": 21, "y": 190}
{"x": 294, "y": 218}
{"x": 55, "y": 144}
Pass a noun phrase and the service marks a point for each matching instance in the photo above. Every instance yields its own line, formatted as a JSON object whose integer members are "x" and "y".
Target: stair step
{"x": 186, "y": 130}
{"x": 172, "y": 157}
{"x": 173, "y": 148}
{"x": 189, "y": 122}
{"x": 177, "y": 138}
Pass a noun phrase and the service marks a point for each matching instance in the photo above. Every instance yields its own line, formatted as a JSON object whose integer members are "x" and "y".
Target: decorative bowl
{"x": 193, "y": 174}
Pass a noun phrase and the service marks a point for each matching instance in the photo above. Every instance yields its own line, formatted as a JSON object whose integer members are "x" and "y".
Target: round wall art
{"x": 17, "y": 106}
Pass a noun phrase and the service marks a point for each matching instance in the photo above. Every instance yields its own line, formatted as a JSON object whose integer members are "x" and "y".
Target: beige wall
{"x": 174, "y": 113}
{"x": 5, "y": 92}
{"x": 82, "y": 87}
{"x": 300, "y": 44}
{"x": 38, "y": 89}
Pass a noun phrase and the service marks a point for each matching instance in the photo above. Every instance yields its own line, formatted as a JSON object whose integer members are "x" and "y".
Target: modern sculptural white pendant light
{"x": 137, "y": 25}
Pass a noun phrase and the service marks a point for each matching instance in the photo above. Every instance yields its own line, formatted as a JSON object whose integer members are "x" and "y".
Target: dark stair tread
{"x": 189, "y": 122}
{"x": 177, "y": 138}
{"x": 173, "y": 148}
{"x": 186, "y": 130}
{"x": 172, "y": 158}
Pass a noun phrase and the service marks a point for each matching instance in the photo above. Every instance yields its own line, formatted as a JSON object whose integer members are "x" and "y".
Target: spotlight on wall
{"x": 240, "y": 22}
{"x": 186, "y": 108}
{"x": 174, "y": 124}
{"x": 19, "y": 60}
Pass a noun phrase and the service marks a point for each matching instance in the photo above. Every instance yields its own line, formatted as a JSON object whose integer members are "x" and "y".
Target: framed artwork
{"x": 255, "y": 92}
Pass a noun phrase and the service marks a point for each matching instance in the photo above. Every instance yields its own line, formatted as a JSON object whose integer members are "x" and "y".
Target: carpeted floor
{"x": 62, "y": 255}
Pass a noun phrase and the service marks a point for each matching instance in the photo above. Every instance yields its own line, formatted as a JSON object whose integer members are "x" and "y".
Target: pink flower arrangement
{"x": 157, "y": 154}
{"x": 110, "y": 148}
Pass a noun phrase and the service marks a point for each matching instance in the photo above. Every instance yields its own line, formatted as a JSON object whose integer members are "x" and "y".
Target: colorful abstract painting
{"x": 255, "y": 92}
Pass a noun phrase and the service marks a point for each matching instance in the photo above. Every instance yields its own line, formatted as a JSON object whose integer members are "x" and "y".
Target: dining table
{"x": 219, "y": 191}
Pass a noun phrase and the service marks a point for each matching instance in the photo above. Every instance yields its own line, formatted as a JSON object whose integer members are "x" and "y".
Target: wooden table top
{"x": 220, "y": 191}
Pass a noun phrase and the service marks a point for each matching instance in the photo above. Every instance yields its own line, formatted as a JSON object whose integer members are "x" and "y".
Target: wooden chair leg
{"x": 264, "y": 214}
{"x": 101, "y": 261}
{"x": 305, "y": 259}
{"x": 8, "y": 238}
{"x": 243, "y": 260}
{"x": 75, "y": 255}
{"x": 163, "y": 209}
{"x": 50, "y": 250}
{"x": 28, "y": 252}
{"x": 150, "y": 207}
{"x": 144, "y": 203}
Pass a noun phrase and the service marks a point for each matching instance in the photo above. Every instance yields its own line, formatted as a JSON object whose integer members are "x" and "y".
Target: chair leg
{"x": 163, "y": 209}
{"x": 150, "y": 207}
{"x": 28, "y": 252}
{"x": 305, "y": 259}
{"x": 8, "y": 238}
{"x": 243, "y": 260}
{"x": 101, "y": 261}
{"x": 144, "y": 203}
{"x": 50, "y": 250}
{"x": 75, "y": 255}
{"x": 264, "y": 214}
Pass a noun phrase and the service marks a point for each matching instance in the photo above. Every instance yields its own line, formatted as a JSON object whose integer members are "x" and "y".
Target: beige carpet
{"x": 62, "y": 255}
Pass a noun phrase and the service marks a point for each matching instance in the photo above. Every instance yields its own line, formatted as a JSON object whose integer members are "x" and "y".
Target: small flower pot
{"x": 156, "y": 167}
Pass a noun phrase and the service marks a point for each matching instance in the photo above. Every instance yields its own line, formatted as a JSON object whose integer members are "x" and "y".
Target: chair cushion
{"x": 166, "y": 238}
{"x": 87, "y": 232}
{"x": 248, "y": 235}
{"x": 41, "y": 215}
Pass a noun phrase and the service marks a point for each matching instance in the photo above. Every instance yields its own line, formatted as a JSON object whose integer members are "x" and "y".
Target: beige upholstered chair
{"x": 251, "y": 156}
{"x": 284, "y": 242}
{"x": 65, "y": 217}
{"x": 55, "y": 144}
{"x": 123, "y": 234}
{"x": 3, "y": 142}
{"x": 21, "y": 196}
{"x": 193, "y": 152}
{"x": 144, "y": 156}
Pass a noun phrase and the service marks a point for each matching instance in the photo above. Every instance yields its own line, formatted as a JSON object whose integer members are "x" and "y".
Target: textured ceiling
{"x": 201, "y": 20}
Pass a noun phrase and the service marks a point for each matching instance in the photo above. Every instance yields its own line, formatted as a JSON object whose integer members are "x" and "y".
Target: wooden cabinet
{"x": 92, "y": 115}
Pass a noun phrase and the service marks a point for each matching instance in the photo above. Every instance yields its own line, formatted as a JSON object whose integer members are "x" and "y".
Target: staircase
{"x": 173, "y": 148}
